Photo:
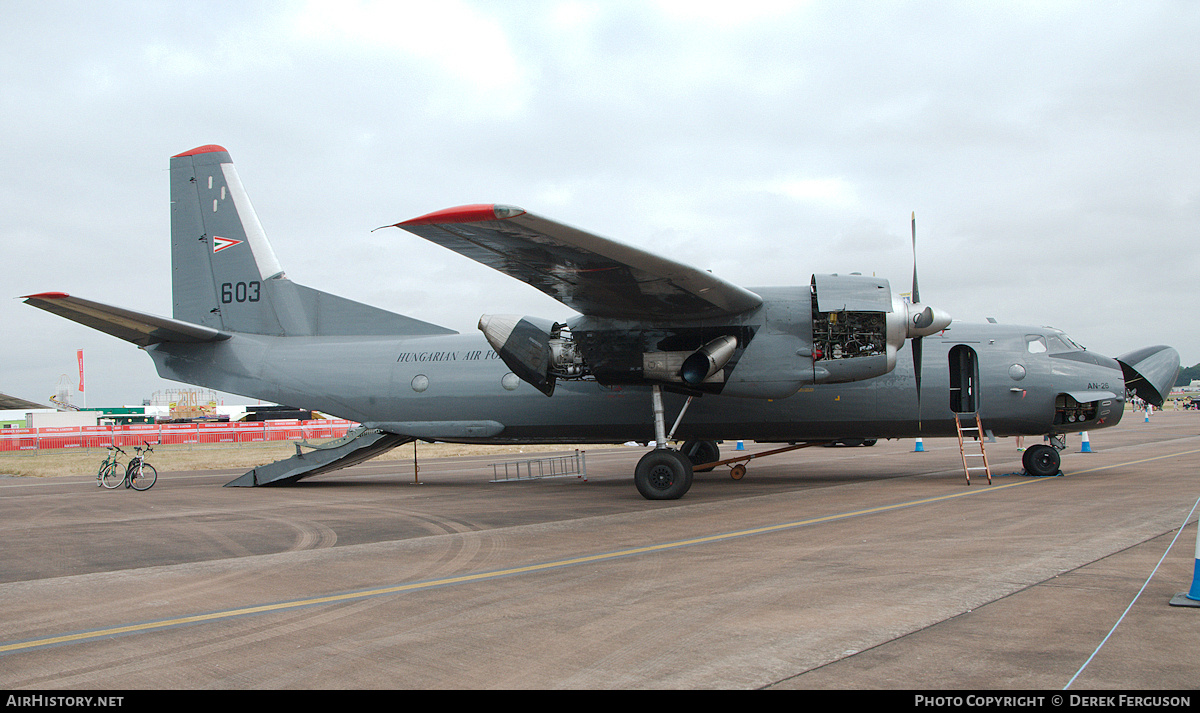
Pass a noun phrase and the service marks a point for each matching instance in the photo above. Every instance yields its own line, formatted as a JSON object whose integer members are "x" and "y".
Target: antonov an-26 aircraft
{"x": 656, "y": 342}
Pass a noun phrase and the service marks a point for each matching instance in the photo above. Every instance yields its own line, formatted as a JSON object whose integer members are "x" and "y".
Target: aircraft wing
{"x": 138, "y": 327}
{"x": 13, "y": 403}
{"x": 590, "y": 274}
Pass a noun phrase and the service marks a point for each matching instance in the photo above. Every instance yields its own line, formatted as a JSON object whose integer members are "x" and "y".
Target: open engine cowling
{"x": 537, "y": 350}
{"x": 859, "y": 326}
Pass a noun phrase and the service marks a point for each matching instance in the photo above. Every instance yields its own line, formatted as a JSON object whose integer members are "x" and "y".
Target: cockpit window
{"x": 1071, "y": 342}
{"x": 1057, "y": 344}
{"x": 1035, "y": 344}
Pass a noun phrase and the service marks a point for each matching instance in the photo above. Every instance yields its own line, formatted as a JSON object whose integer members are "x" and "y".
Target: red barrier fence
{"x": 27, "y": 439}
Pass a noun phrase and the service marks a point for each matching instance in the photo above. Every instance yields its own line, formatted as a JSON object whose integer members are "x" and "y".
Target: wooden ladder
{"x": 977, "y": 431}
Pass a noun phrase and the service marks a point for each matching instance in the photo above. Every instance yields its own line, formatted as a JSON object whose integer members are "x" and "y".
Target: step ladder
{"x": 975, "y": 432}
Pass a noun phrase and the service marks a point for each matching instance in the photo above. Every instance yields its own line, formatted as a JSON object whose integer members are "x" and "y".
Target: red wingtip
{"x": 46, "y": 296}
{"x": 207, "y": 148}
{"x": 466, "y": 214}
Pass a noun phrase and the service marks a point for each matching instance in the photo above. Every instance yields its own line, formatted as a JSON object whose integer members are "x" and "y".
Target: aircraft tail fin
{"x": 226, "y": 275}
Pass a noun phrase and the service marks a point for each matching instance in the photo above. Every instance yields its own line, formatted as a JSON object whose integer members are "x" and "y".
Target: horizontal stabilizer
{"x": 349, "y": 451}
{"x": 138, "y": 327}
{"x": 14, "y": 403}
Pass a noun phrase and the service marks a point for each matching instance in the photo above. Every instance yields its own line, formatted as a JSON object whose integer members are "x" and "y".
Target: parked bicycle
{"x": 139, "y": 474}
{"x": 111, "y": 473}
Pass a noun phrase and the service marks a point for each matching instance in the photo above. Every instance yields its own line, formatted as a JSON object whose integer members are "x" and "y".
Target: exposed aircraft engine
{"x": 859, "y": 326}
{"x": 539, "y": 351}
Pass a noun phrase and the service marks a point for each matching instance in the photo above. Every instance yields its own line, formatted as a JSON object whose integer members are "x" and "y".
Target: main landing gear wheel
{"x": 701, "y": 452}
{"x": 663, "y": 474}
{"x": 1041, "y": 460}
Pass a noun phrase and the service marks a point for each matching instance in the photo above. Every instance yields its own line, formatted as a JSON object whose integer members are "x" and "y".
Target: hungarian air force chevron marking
{"x": 220, "y": 243}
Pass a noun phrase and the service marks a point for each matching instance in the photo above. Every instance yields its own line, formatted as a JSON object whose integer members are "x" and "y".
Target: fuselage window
{"x": 1035, "y": 344}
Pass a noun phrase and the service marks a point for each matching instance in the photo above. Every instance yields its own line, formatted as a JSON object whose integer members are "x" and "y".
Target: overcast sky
{"x": 1050, "y": 150}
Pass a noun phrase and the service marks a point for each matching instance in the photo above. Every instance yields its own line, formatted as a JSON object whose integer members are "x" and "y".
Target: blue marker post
{"x": 920, "y": 448}
{"x": 1191, "y": 598}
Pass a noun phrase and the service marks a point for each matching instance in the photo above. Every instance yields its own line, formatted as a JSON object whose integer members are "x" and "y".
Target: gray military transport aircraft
{"x": 814, "y": 363}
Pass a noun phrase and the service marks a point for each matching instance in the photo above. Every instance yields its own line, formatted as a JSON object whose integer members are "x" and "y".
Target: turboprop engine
{"x": 539, "y": 351}
{"x": 859, "y": 326}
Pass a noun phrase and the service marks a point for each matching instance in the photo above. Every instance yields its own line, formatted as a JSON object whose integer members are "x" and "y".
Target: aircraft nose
{"x": 1150, "y": 372}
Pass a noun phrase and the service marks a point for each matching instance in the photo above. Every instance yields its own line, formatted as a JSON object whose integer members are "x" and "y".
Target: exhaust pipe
{"x": 707, "y": 360}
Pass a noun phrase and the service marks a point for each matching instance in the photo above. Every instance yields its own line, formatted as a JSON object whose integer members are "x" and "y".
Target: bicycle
{"x": 111, "y": 474}
{"x": 139, "y": 474}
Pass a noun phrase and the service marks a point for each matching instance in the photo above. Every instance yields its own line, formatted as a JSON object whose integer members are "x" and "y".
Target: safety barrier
{"x": 27, "y": 439}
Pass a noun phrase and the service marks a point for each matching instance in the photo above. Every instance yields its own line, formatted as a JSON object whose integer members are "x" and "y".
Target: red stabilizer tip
{"x": 46, "y": 296}
{"x": 208, "y": 148}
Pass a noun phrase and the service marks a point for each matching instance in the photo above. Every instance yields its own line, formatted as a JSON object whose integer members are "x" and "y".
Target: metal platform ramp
{"x": 534, "y": 469}
{"x": 356, "y": 447}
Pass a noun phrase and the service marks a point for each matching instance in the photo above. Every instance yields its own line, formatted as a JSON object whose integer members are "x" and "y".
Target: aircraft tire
{"x": 663, "y": 474}
{"x": 1041, "y": 460}
{"x": 870, "y": 442}
{"x": 701, "y": 452}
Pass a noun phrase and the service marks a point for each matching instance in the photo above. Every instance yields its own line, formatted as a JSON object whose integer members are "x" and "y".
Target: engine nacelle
{"x": 859, "y": 326}
{"x": 850, "y": 335}
{"x": 539, "y": 351}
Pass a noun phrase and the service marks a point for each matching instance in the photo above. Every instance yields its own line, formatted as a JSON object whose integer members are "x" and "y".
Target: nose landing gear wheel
{"x": 1041, "y": 460}
{"x": 663, "y": 474}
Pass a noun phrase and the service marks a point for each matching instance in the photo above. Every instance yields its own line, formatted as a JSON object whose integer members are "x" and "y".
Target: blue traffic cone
{"x": 1191, "y": 598}
{"x": 1087, "y": 445}
{"x": 920, "y": 448}
{"x": 740, "y": 446}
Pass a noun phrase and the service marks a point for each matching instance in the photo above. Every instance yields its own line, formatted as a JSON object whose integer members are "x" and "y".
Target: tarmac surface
{"x": 824, "y": 568}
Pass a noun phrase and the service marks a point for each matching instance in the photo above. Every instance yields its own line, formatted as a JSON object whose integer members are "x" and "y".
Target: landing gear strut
{"x": 663, "y": 473}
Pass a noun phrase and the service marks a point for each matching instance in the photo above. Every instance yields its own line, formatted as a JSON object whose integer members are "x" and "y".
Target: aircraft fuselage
{"x": 459, "y": 379}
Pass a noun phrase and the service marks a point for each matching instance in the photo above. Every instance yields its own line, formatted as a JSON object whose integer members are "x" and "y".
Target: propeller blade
{"x": 917, "y": 350}
{"x": 916, "y": 296}
{"x": 917, "y": 346}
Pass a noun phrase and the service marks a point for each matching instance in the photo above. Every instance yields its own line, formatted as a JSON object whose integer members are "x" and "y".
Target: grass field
{"x": 167, "y": 458}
